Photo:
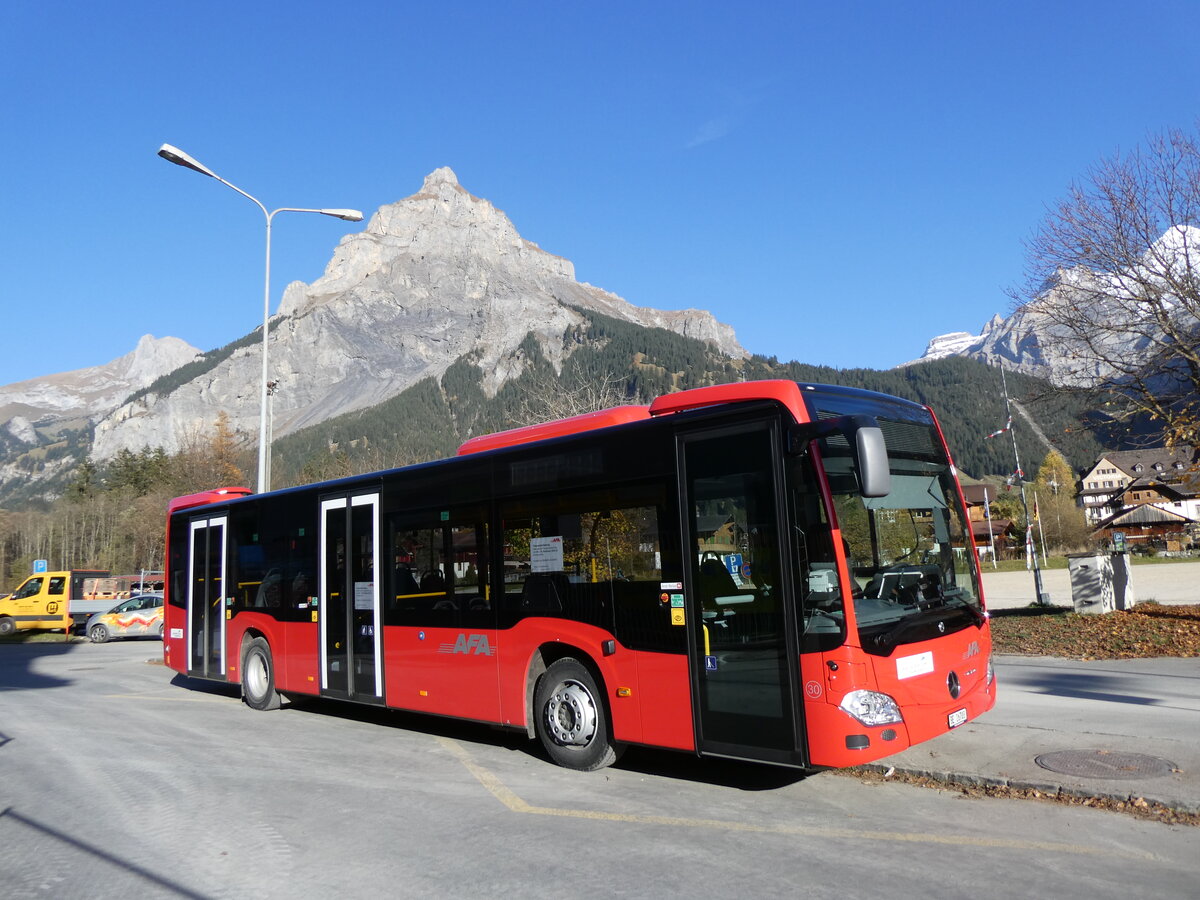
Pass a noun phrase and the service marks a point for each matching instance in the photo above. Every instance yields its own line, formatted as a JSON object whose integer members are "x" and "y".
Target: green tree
{"x": 84, "y": 483}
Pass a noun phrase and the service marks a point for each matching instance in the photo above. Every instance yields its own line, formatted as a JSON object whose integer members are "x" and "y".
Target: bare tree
{"x": 544, "y": 397}
{"x": 1115, "y": 270}
{"x": 212, "y": 457}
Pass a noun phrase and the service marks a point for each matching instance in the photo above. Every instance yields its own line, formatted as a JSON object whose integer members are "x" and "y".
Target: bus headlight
{"x": 991, "y": 672}
{"x": 871, "y": 708}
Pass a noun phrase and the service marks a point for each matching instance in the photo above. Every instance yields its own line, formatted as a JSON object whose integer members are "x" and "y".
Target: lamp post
{"x": 177, "y": 156}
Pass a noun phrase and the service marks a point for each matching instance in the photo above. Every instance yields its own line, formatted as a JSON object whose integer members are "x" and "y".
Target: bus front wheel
{"x": 571, "y": 718}
{"x": 258, "y": 676}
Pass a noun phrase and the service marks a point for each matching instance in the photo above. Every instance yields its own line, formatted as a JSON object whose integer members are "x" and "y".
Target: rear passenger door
{"x": 350, "y": 590}
{"x": 206, "y": 598}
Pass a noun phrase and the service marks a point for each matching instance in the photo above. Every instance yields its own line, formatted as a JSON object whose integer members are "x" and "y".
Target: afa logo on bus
{"x": 469, "y": 644}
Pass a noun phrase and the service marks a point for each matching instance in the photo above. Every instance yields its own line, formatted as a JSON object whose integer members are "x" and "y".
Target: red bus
{"x": 767, "y": 571}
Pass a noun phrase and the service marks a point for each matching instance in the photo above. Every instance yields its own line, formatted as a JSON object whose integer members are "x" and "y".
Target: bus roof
{"x": 786, "y": 393}
{"x": 618, "y": 415}
{"x": 206, "y": 497}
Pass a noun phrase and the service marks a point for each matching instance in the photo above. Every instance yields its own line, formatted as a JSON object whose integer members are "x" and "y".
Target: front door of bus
{"x": 206, "y": 599}
{"x": 740, "y": 625}
{"x": 351, "y": 625}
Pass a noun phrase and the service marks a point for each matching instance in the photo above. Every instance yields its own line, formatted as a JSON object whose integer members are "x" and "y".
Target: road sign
{"x": 39, "y": 566}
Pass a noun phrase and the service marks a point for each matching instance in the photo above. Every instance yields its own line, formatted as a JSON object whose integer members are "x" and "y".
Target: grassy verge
{"x": 40, "y": 637}
{"x": 1146, "y": 630}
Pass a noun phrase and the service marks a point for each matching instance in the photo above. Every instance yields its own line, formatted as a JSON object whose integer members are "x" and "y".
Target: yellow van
{"x": 50, "y": 600}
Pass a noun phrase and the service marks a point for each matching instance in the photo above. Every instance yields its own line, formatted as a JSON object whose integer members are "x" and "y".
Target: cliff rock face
{"x": 1122, "y": 305}
{"x": 433, "y": 277}
{"x": 89, "y": 393}
{"x": 44, "y": 422}
{"x": 1027, "y": 342}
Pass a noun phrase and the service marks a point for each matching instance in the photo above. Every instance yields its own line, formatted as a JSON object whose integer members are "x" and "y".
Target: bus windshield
{"x": 913, "y": 573}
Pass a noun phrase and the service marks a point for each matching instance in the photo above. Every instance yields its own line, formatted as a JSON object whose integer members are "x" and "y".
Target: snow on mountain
{"x": 1033, "y": 339}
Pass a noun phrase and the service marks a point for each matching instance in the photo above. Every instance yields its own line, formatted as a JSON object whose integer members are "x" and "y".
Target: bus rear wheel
{"x": 258, "y": 676}
{"x": 571, "y": 718}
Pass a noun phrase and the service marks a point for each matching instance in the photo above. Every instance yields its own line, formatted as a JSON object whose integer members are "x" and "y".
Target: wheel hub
{"x": 571, "y": 715}
{"x": 256, "y": 676}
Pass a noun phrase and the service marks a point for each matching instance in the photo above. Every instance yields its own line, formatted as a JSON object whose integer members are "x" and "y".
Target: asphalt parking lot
{"x": 120, "y": 778}
{"x": 1166, "y": 583}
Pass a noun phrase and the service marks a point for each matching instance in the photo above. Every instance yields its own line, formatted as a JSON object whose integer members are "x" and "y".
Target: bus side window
{"x": 596, "y": 556}
{"x": 438, "y": 570}
{"x": 273, "y": 560}
{"x": 820, "y": 605}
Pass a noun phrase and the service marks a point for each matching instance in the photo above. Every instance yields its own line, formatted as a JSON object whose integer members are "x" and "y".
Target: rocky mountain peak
{"x": 1032, "y": 339}
{"x": 443, "y": 176}
{"x": 434, "y": 277}
{"x": 153, "y": 357}
{"x": 95, "y": 391}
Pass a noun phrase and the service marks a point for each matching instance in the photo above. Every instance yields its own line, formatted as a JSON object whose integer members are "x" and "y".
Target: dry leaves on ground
{"x": 1144, "y": 631}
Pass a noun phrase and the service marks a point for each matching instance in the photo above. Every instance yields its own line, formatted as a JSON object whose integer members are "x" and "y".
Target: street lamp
{"x": 177, "y": 156}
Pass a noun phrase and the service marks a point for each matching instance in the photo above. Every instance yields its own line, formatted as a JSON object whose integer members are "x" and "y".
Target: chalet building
{"x": 1152, "y": 496}
{"x": 1003, "y": 534}
{"x": 1147, "y": 525}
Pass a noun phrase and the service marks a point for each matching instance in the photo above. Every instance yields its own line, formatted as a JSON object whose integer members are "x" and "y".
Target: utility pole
{"x": 1030, "y": 551}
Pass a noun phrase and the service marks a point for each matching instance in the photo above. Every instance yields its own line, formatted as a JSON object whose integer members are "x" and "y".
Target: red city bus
{"x": 767, "y": 571}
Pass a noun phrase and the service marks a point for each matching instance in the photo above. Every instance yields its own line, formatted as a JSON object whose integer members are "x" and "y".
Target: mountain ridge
{"x": 1033, "y": 339}
{"x": 433, "y": 324}
{"x": 433, "y": 277}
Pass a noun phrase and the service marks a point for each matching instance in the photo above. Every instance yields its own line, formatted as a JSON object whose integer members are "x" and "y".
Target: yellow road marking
{"x": 505, "y": 795}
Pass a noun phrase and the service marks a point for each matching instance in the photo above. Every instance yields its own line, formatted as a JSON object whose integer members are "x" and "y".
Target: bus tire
{"x": 258, "y": 676}
{"x": 98, "y": 634}
{"x": 7, "y": 626}
{"x": 571, "y": 717}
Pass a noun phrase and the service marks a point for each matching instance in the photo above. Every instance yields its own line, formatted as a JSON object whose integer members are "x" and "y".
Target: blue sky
{"x": 838, "y": 182}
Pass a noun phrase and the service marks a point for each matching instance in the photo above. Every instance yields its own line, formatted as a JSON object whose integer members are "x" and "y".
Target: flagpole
{"x": 987, "y": 514}
{"x": 1037, "y": 517}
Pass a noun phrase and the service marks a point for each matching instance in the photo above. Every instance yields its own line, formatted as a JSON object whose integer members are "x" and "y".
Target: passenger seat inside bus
{"x": 544, "y": 592}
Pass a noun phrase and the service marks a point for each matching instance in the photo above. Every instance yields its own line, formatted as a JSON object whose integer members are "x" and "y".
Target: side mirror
{"x": 865, "y": 440}
{"x": 873, "y": 468}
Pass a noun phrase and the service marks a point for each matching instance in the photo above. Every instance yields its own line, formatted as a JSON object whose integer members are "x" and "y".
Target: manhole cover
{"x": 1104, "y": 764}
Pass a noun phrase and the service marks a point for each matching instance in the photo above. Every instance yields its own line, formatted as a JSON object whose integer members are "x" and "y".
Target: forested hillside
{"x": 111, "y": 515}
{"x": 430, "y": 419}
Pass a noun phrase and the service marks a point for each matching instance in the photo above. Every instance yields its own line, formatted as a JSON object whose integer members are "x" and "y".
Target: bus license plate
{"x": 957, "y": 717}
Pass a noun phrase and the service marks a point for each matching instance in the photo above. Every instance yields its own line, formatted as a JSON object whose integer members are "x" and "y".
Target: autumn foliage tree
{"x": 1060, "y": 518}
{"x": 113, "y": 516}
